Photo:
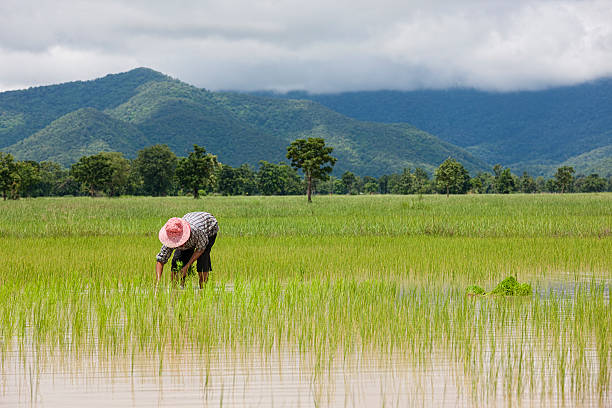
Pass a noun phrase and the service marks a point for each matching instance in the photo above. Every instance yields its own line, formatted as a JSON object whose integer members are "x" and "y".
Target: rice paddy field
{"x": 349, "y": 301}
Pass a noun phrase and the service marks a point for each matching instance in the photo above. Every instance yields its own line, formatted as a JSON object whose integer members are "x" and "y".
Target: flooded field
{"x": 363, "y": 312}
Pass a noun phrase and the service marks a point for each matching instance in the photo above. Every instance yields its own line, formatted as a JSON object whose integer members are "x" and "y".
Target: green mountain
{"x": 125, "y": 112}
{"x": 535, "y": 131}
{"x": 25, "y": 112}
{"x": 180, "y": 115}
{"x": 366, "y": 148}
{"x": 83, "y": 132}
{"x": 598, "y": 161}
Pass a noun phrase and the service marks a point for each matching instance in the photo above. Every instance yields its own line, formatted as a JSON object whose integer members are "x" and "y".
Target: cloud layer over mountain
{"x": 317, "y": 45}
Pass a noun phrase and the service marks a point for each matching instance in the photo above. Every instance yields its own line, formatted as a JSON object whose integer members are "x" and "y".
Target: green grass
{"x": 346, "y": 276}
{"x": 575, "y": 215}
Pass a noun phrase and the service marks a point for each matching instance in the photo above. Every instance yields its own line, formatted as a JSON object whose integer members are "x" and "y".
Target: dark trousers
{"x": 203, "y": 263}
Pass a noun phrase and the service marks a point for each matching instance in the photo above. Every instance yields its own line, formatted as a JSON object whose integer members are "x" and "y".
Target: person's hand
{"x": 184, "y": 271}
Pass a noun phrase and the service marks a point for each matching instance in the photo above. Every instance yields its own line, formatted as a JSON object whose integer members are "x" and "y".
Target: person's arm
{"x": 196, "y": 255}
{"x": 159, "y": 268}
{"x": 162, "y": 258}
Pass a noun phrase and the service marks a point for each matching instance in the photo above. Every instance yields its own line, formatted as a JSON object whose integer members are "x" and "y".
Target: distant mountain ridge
{"x": 39, "y": 106}
{"x": 534, "y": 131}
{"x": 128, "y": 111}
{"x": 83, "y": 132}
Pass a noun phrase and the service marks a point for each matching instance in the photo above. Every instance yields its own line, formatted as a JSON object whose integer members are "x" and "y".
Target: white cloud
{"x": 274, "y": 44}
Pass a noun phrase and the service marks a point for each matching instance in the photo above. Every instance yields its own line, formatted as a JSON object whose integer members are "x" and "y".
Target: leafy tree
{"x": 68, "y": 186}
{"x": 8, "y": 175}
{"x": 527, "y": 184}
{"x": 550, "y": 185}
{"x": 452, "y": 177}
{"x": 370, "y": 187}
{"x": 392, "y": 183}
{"x": 564, "y": 178}
{"x": 541, "y": 184}
{"x": 403, "y": 184}
{"x": 236, "y": 181}
{"x": 135, "y": 181}
{"x": 156, "y": 165}
{"x": 350, "y": 182}
{"x": 313, "y": 158}
{"x": 225, "y": 179}
{"x": 422, "y": 184}
{"x": 120, "y": 174}
{"x": 333, "y": 185}
{"x": 476, "y": 185}
{"x": 29, "y": 177}
{"x": 591, "y": 184}
{"x": 368, "y": 179}
{"x": 94, "y": 172}
{"x": 269, "y": 179}
{"x": 504, "y": 182}
{"x": 52, "y": 175}
{"x": 483, "y": 183}
{"x": 292, "y": 183}
{"x": 383, "y": 184}
{"x": 278, "y": 179}
{"x": 197, "y": 170}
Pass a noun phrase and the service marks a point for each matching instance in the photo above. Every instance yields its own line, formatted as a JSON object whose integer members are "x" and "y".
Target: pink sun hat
{"x": 175, "y": 232}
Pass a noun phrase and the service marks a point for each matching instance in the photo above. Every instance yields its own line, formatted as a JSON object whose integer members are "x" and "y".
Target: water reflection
{"x": 279, "y": 377}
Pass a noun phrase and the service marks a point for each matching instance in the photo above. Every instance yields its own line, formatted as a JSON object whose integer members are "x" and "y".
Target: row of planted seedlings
{"x": 550, "y": 344}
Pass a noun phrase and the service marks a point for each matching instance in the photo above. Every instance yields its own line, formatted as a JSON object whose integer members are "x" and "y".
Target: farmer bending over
{"x": 192, "y": 236}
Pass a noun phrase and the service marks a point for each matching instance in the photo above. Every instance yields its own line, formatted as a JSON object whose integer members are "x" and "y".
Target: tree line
{"x": 157, "y": 171}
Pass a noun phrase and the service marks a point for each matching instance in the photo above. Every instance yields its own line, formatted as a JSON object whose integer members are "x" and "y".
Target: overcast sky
{"x": 314, "y": 45}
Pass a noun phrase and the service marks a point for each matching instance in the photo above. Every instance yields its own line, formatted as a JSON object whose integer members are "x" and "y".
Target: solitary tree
{"x": 197, "y": 170}
{"x": 313, "y": 157}
{"x": 452, "y": 177}
{"x": 564, "y": 177}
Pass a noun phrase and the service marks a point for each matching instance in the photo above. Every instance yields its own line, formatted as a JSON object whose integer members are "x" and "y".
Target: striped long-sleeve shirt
{"x": 202, "y": 226}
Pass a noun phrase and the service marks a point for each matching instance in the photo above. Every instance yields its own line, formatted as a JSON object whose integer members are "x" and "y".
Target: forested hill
{"x": 24, "y": 112}
{"x": 536, "y": 131}
{"x": 128, "y": 111}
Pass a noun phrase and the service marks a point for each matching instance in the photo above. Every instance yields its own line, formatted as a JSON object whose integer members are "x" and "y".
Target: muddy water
{"x": 224, "y": 379}
{"x": 257, "y": 378}
{"x": 37, "y": 375}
